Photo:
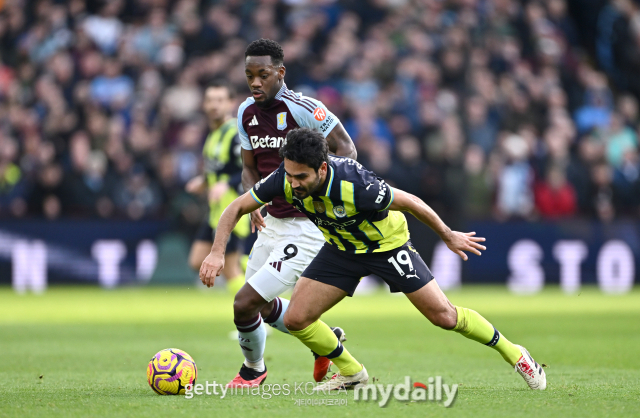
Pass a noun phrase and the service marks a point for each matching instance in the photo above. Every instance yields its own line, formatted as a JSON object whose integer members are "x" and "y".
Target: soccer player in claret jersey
{"x": 287, "y": 241}
{"x": 361, "y": 219}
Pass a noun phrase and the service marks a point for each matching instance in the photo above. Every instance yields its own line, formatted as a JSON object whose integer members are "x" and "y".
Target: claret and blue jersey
{"x": 351, "y": 208}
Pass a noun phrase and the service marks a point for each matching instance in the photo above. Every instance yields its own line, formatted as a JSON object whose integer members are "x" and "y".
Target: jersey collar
{"x": 328, "y": 182}
{"x": 282, "y": 90}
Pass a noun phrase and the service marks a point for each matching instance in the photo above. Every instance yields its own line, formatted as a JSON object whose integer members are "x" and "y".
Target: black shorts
{"x": 206, "y": 233}
{"x": 402, "y": 268}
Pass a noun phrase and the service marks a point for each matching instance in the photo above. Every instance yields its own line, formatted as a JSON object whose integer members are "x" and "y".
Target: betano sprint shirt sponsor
{"x": 263, "y": 130}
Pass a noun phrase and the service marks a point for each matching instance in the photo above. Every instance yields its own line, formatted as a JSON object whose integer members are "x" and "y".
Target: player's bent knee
{"x": 267, "y": 309}
{"x": 443, "y": 319}
{"x": 246, "y": 305}
{"x": 295, "y": 321}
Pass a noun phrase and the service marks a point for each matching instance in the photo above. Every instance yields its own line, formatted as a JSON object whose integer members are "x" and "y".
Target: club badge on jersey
{"x": 282, "y": 121}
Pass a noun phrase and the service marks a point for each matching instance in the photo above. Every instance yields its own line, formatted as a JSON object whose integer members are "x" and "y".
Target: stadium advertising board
{"x": 524, "y": 256}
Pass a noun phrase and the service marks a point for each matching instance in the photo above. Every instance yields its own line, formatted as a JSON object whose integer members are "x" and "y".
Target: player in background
{"x": 287, "y": 241}
{"x": 221, "y": 181}
{"x": 366, "y": 233}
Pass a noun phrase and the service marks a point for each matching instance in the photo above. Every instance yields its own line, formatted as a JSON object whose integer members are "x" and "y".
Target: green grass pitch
{"x": 83, "y": 351}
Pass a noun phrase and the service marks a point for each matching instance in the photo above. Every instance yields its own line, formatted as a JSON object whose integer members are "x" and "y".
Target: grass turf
{"x": 91, "y": 348}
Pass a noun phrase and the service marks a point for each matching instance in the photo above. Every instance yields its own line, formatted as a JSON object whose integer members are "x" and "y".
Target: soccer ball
{"x": 170, "y": 371}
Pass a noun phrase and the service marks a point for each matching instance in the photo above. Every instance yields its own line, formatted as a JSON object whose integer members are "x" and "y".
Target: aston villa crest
{"x": 282, "y": 121}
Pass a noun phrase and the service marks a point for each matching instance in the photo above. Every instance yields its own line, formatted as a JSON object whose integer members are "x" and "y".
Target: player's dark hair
{"x": 263, "y": 47}
{"x": 305, "y": 146}
{"x": 219, "y": 83}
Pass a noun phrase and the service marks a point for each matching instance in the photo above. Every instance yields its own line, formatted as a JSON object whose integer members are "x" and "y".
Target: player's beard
{"x": 266, "y": 102}
{"x": 311, "y": 189}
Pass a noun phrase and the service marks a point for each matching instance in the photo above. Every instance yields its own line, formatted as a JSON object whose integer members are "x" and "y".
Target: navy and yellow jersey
{"x": 223, "y": 162}
{"x": 222, "y": 155}
{"x": 351, "y": 208}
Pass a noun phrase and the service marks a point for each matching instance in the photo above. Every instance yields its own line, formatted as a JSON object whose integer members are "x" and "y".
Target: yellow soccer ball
{"x": 170, "y": 371}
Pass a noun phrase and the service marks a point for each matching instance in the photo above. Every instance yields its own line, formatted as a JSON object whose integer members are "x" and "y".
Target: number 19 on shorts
{"x": 402, "y": 258}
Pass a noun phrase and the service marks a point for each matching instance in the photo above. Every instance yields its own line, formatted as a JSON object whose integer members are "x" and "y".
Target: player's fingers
{"x": 478, "y": 246}
{"x": 258, "y": 221}
{"x": 462, "y": 255}
{"x": 477, "y": 239}
{"x": 469, "y": 234}
{"x": 472, "y": 250}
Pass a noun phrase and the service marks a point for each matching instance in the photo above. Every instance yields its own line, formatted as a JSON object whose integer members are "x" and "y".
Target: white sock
{"x": 276, "y": 317}
{"x": 255, "y": 365}
{"x": 252, "y": 338}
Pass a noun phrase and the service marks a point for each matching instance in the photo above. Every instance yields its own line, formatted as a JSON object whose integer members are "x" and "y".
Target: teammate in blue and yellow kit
{"x": 366, "y": 233}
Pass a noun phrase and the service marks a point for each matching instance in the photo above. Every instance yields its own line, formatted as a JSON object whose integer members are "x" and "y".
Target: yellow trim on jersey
{"x": 347, "y": 195}
{"x": 394, "y": 229}
{"x": 390, "y": 200}
{"x": 330, "y": 181}
{"x": 331, "y": 238}
{"x": 361, "y": 247}
{"x": 256, "y": 198}
{"x": 308, "y": 204}
{"x": 288, "y": 191}
{"x": 329, "y": 205}
{"x": 370, "y": 231}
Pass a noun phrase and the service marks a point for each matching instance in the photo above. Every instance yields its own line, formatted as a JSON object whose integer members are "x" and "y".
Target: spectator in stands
{"x": 443, "y": 96}
{"x": 554, "y": 196}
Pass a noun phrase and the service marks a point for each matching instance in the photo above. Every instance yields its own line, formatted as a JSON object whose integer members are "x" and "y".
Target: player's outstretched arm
{"x": 214, "y": 262}
{"x": 458, "y": 242}
{"x": 340, "y": 143}
{"x": 251, "y": 176}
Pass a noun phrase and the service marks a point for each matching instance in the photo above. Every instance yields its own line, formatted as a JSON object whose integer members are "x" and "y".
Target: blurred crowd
{"x": 486, "y": 109}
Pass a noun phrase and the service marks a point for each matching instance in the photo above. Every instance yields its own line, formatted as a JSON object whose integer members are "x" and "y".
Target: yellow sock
{"x": 322, "y": 341}
{"x": 234, "y": 284}
{"x": 473, "y": 326}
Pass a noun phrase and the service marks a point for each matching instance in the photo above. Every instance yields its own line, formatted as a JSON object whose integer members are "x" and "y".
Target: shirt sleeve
{"x": 269, "y": 187}
{"x": 233, "y": 167}
{"x": 373, "y": 193}
{"x": 244, "y": 138}
{"x": 313, "y": 114}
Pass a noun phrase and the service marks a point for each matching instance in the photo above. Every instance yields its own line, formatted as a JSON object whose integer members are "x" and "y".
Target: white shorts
{"x": 284, "y": 248}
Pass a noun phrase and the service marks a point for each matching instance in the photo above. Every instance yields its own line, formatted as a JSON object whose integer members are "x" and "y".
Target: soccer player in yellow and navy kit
{"x": 221, "y": 179}
{"x": 366, "y": 233}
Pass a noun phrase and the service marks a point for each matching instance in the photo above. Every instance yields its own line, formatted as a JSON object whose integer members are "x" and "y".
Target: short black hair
{"x": 305, "y": 146}
{"x": 263, "y": 47}
{"x": 220, "y": 83}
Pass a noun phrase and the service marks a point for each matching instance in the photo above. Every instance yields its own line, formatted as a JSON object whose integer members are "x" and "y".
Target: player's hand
{"x": 257, "y": 221}
{"x": 217, "y": 191}
{"x": 210, "y": 268}
{"x": 195, "y": 185}
{"x": 464, "y": 241}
